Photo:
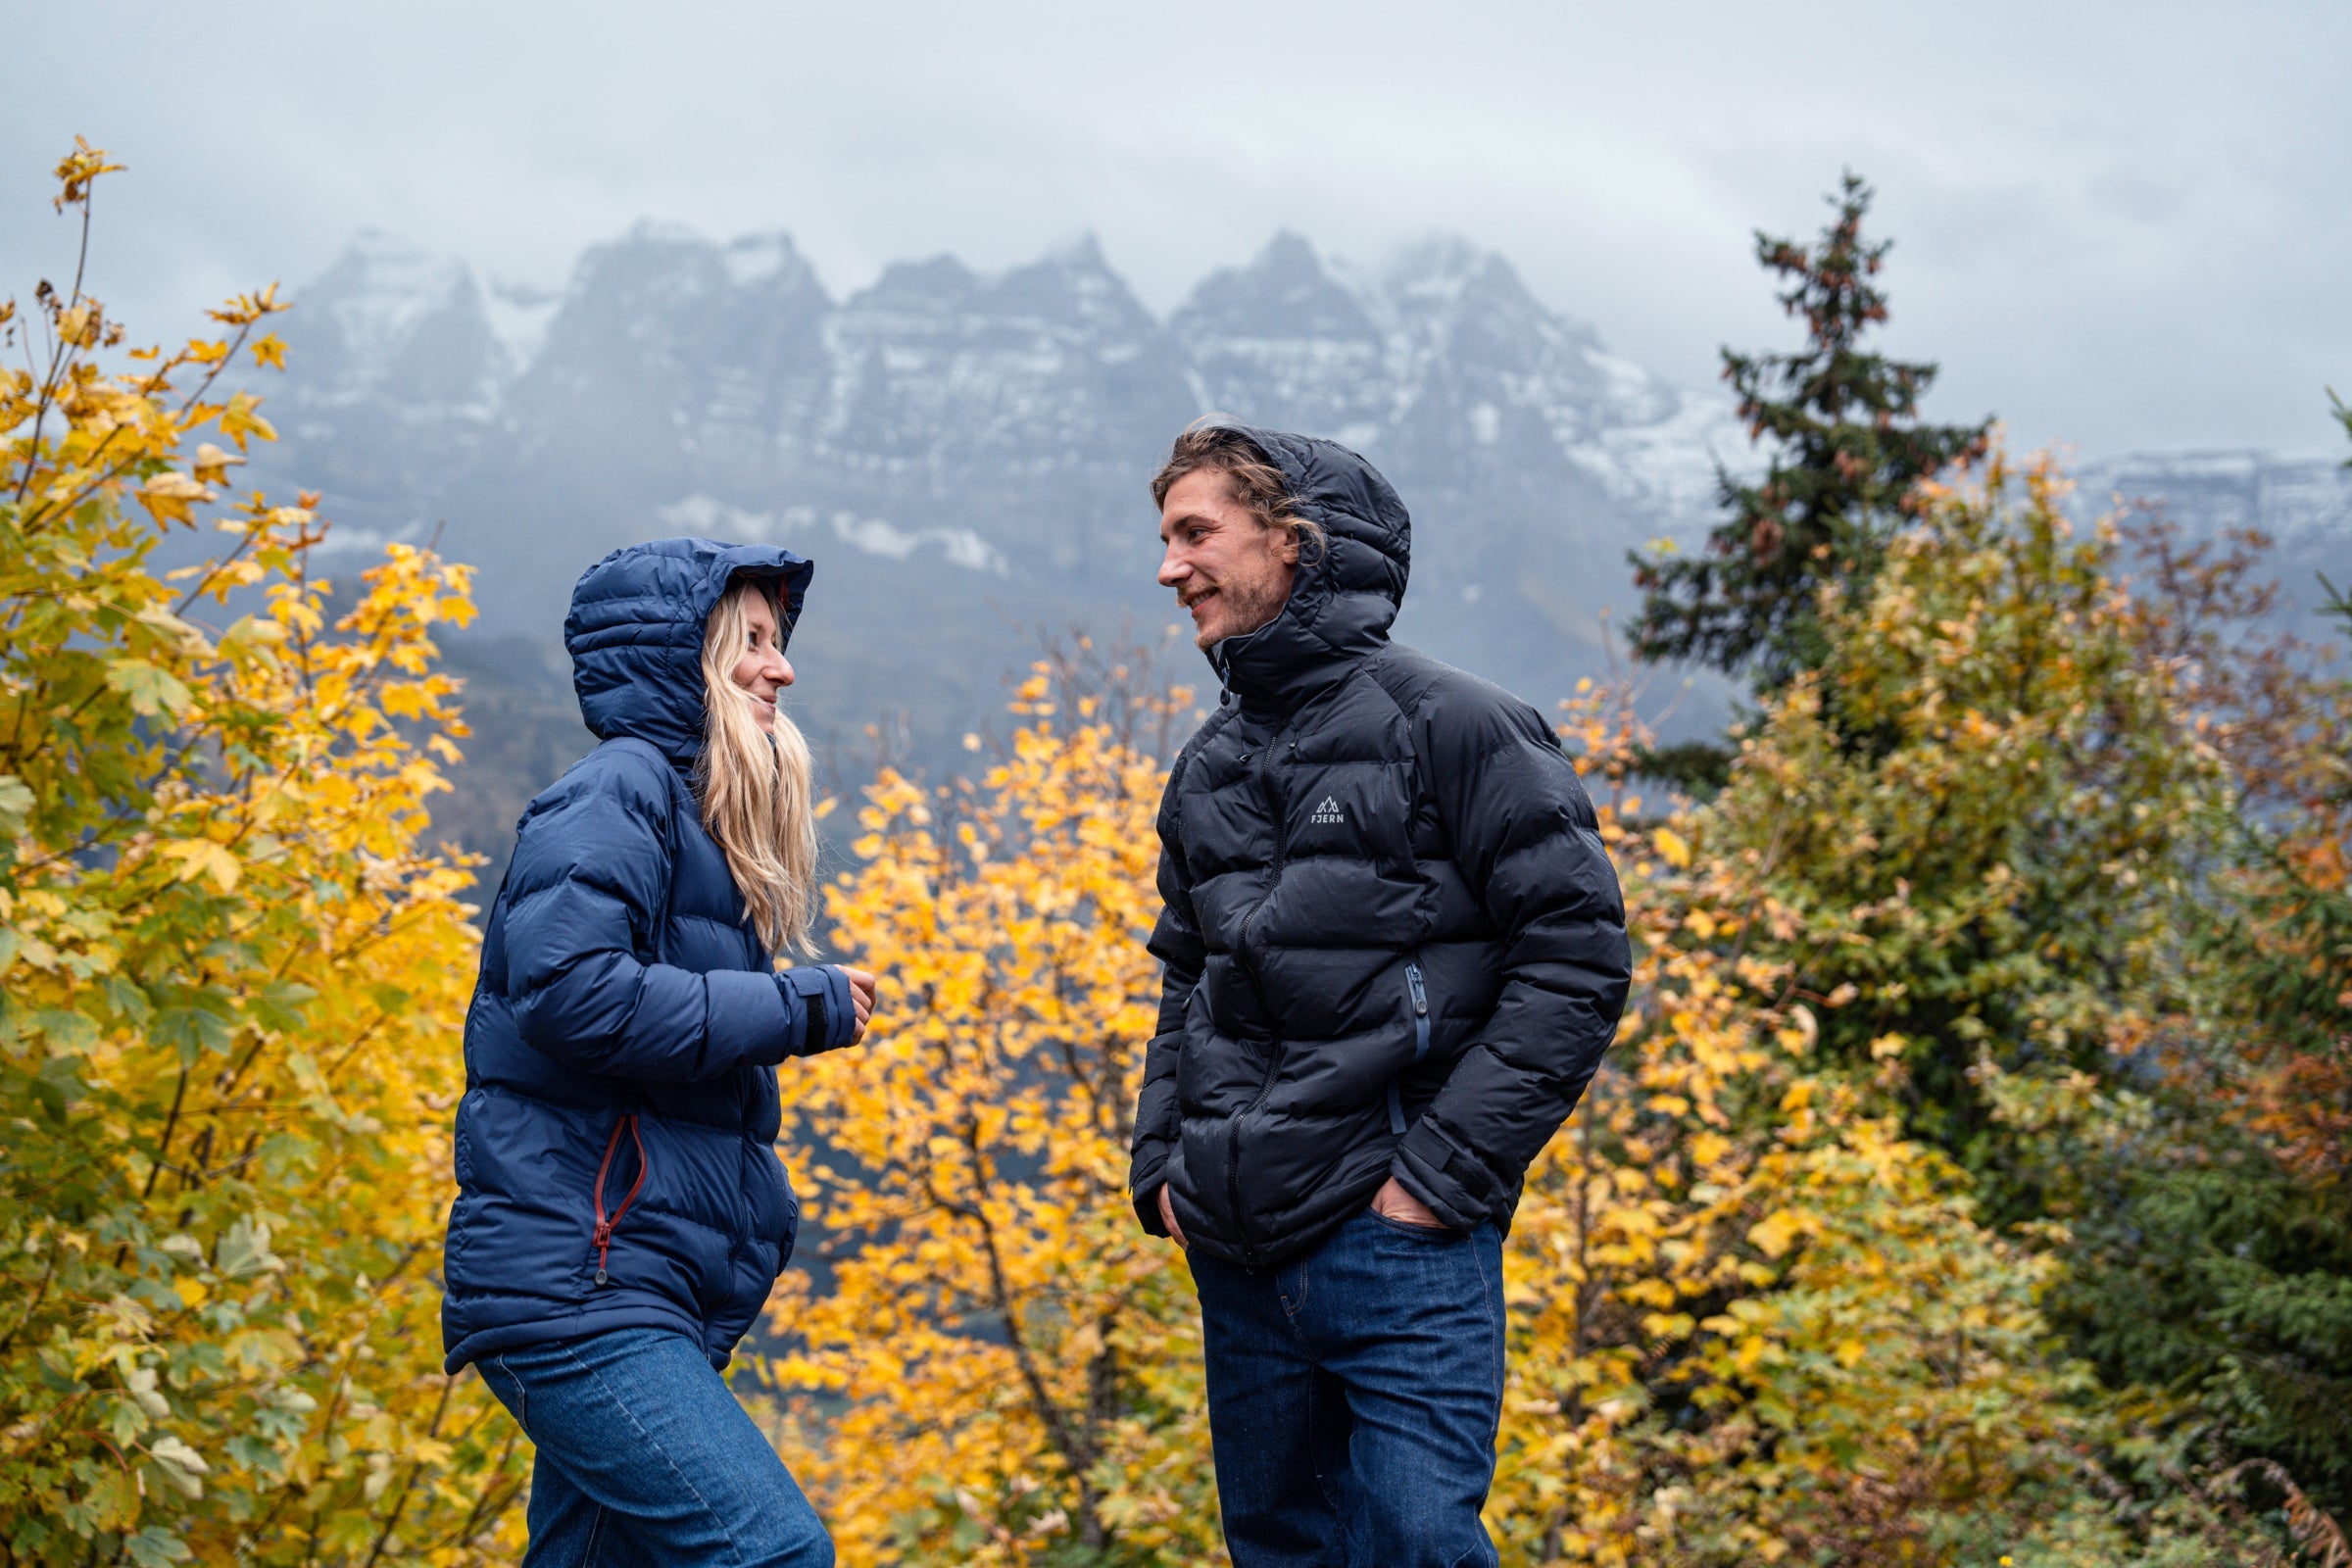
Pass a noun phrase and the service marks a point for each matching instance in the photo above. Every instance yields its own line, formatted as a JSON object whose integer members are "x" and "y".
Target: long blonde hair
{"x": 755, "y": 786}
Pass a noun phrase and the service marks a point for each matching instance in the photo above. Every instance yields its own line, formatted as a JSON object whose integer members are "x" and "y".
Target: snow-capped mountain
{"x": 965, "y": 454}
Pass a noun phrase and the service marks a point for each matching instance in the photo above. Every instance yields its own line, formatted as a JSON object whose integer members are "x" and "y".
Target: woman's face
{"x": 761, "y": 668}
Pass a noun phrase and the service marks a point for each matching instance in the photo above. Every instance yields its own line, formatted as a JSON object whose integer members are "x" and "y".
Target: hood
{"x": 1342, "y": 604}
{"x": 635, "y": 633}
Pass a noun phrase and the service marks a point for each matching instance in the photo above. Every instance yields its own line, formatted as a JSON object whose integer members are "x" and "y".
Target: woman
{"x": 621, "y": 1214}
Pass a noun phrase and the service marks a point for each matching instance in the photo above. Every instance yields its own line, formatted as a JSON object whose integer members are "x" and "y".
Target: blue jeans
{"x": 1353, "y": 1396}
{"x": 646, "y": 1458}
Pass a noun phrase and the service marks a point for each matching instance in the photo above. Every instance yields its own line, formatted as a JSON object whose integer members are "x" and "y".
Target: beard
{"x": 1248, "y": 607}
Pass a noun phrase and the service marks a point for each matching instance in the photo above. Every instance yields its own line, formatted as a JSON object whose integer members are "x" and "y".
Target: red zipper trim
{"x": 604, "y": 1225}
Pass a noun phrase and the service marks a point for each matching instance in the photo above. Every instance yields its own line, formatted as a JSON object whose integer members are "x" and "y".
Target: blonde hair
{"x": 755, "y": 785}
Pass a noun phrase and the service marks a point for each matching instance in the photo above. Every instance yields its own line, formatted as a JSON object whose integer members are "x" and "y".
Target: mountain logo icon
{"x": 1328, "y": 814}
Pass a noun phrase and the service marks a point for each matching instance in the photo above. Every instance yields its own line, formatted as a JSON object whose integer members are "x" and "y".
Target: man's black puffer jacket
{"x": 1394, "y": 943}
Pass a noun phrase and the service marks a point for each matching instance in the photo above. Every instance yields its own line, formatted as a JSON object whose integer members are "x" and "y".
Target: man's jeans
{"x": 1353, "y": 1396}
{"x": 646, "y": 1458}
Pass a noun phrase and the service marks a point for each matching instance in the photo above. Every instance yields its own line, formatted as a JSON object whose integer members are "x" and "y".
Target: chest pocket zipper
{"x": 604, "y": 1225}
{"x": 1420, "y": 994}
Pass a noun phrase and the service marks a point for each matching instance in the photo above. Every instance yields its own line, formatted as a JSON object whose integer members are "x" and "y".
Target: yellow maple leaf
{"x": 1674, "y": 847}
{"x": 204, "y": 857}
{"x": 212, "y": 465}
{"x": 168, "y": 496}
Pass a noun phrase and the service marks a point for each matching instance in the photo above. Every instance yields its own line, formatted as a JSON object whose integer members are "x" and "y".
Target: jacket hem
{"x": 1304, "y": 1239}
{"x": 579, "y": 1326}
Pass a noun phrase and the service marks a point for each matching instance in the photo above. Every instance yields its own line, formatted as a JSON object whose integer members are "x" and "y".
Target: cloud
{"x": 2120, "y": 225}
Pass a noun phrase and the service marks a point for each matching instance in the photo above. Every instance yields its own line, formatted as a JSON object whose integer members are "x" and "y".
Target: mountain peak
{"x": 1289, "y": 255}
{"x": 1446, "y": 271}
{"x": 382, "y": 266}
{"x": 935, "y": 281}
{"x": 1074, "y": 286}
{"x": 1081, "y": 255}
{"x": 662, "y": 232}
{"x": 382, "y": 295}
{"x": 770, "y": 260}
{"x": 1284, "y": 292}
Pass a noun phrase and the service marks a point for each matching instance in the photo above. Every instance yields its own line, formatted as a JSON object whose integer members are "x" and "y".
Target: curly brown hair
{"x": 1257, "y": 483}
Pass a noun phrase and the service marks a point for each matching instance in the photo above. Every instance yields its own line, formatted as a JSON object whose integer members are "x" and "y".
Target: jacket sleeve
{"x": 1526, "y": 841}
{"x": 586, "y": 892}
{"x": 1176, "y": 943}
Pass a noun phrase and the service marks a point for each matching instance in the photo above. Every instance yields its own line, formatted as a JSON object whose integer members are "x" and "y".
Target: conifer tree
{"x": 1850, "y": 445}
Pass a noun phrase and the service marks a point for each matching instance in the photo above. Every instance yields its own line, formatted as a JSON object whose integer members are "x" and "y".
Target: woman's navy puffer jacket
{"x": 615, "y": 1149}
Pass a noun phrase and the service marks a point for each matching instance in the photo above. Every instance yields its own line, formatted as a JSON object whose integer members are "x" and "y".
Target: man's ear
{"x": 1290, "y": 546}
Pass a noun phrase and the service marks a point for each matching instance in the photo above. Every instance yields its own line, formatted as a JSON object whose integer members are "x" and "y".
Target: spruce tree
{"x": 1850, "y": 445}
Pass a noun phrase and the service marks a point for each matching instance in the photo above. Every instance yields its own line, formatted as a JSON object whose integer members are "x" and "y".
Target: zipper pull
{"x": 1412, "y": 980}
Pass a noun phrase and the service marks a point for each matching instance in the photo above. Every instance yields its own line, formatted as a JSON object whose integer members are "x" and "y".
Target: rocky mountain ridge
{"x": 1021, "y": 410}
{"x": 965, "y": 452}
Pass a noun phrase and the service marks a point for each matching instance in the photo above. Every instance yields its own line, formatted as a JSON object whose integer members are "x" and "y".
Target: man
{"x": 1395, "y": 951}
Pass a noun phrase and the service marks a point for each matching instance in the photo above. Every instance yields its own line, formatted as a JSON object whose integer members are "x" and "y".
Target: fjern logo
{"x": 1328, "y": 814}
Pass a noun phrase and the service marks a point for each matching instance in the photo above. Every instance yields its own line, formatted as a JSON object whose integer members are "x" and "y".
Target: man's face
{"x": 1230, "y": 570}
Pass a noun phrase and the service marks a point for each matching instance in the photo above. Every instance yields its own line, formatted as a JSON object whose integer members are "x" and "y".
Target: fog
{"x": 2116, "y": 227}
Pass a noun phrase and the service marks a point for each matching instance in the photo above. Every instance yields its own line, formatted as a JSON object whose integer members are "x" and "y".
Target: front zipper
{"x": 1233, "y": 1130}
{"x": 1420, "y": 994}
{"x": 602, "y": 1237}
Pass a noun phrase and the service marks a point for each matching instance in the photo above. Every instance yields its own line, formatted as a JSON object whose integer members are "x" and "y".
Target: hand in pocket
{"x": 1399, "y": 1207}
{"x": 1167, "y": 1217}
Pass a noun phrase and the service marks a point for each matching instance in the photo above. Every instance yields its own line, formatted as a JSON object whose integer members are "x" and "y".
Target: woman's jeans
{"x": 1354, "y": 1395}
{"x": 646, "y": 1458}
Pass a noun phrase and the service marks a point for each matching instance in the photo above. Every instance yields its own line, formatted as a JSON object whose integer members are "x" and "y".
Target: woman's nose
{"x": 782, "y": 672}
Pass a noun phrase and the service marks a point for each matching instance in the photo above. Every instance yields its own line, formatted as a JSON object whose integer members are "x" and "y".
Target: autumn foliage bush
{"x": 233, "y": 983}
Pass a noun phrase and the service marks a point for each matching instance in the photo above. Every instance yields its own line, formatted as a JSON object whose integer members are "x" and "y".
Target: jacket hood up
{"x": 1342, "y": 601}
{"x": 635, "y": 634}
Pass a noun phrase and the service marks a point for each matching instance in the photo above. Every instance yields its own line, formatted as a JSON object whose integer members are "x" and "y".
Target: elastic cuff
{"x": 1434, "y": 1183}
{"x": 827, "y": 1013}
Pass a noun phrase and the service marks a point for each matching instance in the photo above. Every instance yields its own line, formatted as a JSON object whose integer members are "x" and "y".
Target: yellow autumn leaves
{"x": 233, "y": 983}
{"x": 1005, "y": 1367}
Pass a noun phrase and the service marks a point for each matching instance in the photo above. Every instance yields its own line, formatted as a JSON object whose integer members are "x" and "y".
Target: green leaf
{"x": 245, "y": 1249}
{"x": 67, "y": 1031}
{"x": 194, "y": 1031}
{"x": 155, "y": 1547}
{"x": 56, "y": 1087}
{"x": 278, "y": 1005}
{"x": 129, "y": 1000}
{"x": 152, "y": 692}
{"x": 15, "y": 804}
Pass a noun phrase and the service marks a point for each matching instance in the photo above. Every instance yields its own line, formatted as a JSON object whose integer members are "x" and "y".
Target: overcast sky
{"x": 2117, "y": 225}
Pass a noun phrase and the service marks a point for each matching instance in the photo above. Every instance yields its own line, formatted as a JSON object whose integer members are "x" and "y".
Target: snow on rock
{"x": 1018, "y": 413}
{"x": 709, "y": 517}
